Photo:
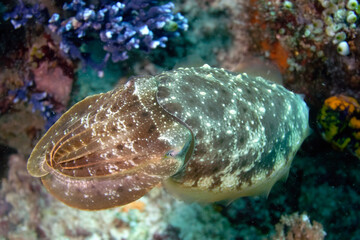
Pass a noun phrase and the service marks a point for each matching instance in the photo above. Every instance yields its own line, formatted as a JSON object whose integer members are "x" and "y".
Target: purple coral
{"x": 22, "y": 14}
{"x": 39, "y": 100}
{"x": 121, "y": 26}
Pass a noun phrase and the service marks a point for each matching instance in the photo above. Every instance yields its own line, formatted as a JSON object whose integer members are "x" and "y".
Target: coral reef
{"x": 208, "y": 35}
{"x": 314, "y": 44}
{"x": 298, "y": 227}
{"x": 120, "y": 27}
{"x": 45, "y": 80}
{"x": 237, "y": 52}
{"x": 21, "y": 128}
{"x": 39, "y": 100}
{"x": 20, "y": 196}
{"x": 22, "y": 15}
{"x": 35, "y": 85}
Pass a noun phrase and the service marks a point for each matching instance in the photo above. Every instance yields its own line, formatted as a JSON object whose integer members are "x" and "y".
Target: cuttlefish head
{"x": 111, "y": 149}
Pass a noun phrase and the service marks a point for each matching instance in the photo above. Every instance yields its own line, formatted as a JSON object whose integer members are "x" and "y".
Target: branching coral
{"x": 22, "y": 14}
{"x": 119, "y": 26}
{"x": 40, "y": 102}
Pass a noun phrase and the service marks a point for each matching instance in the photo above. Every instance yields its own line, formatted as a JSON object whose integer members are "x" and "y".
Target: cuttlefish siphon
{"x": 205, "y": 133}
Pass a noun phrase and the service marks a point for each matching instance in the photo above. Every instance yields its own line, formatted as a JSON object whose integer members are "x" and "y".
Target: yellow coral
{"x": 354, "y": 123}
{"x": 339, "y": 123}
{"x": 342, "y": 103}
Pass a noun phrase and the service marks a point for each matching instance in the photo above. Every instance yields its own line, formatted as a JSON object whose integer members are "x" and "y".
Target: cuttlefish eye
{"x": 205, "y": 133}
{"x": 170, "y": 153}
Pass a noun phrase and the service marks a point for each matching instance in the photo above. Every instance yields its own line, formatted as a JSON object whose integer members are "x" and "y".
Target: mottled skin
{"x": 207, "y": 134}
{"x": 247, "y": 131}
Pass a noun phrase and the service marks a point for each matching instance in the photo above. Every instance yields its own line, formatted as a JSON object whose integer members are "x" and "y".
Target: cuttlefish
{"x": 205, "y": 133}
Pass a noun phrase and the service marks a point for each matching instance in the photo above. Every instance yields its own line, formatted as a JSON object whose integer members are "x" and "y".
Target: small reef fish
{"x": 205, "y": 133}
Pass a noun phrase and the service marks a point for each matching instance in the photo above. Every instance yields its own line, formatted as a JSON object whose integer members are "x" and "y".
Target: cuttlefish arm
{"x": 110, "y": 149}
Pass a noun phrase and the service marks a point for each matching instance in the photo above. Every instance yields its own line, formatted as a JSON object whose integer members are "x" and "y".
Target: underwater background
{"x": 55, "y": 53}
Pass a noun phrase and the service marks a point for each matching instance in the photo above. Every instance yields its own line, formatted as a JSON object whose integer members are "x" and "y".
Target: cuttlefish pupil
{"x": 205, "y": 133}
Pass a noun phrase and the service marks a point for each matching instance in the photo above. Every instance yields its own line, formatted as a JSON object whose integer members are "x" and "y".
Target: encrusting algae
{"x": 205, "y": 133}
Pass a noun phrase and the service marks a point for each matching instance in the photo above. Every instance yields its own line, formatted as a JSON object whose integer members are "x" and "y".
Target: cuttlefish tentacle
{"x": 205, "y": 133}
